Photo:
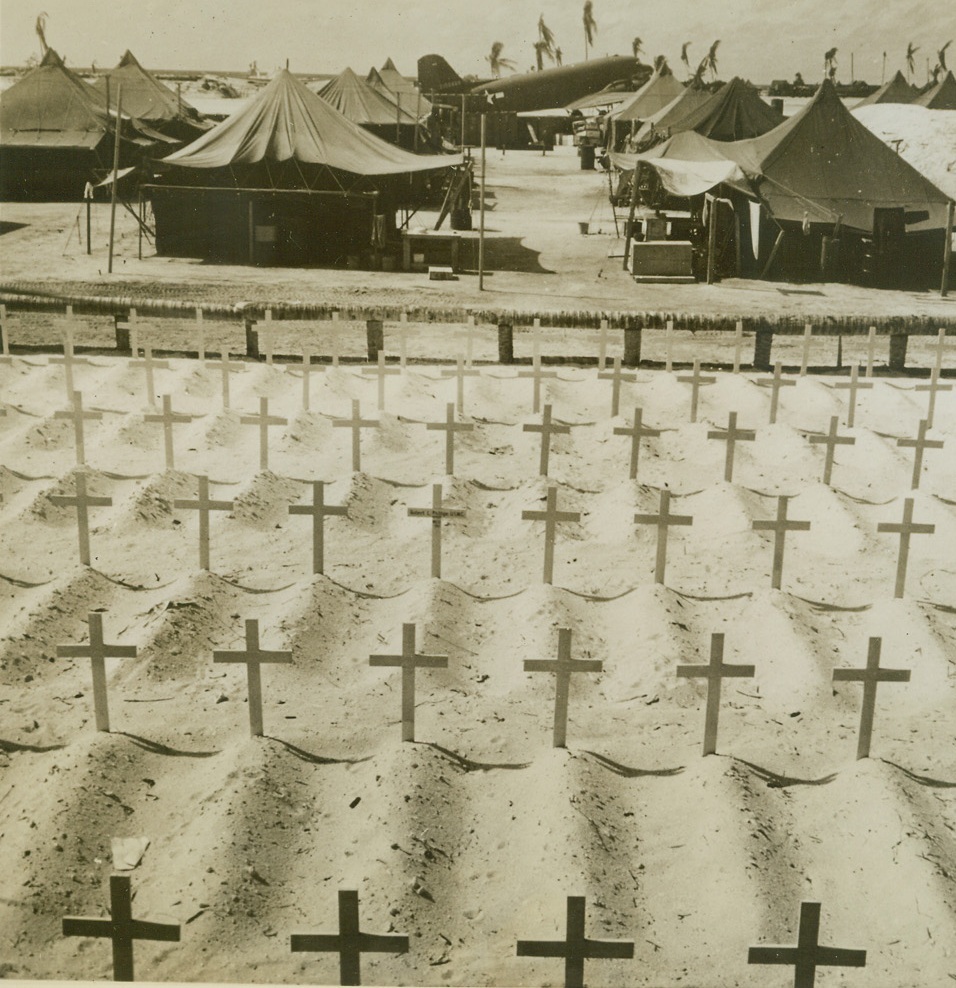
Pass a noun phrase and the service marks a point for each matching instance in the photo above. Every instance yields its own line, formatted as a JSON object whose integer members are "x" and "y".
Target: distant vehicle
{"x": 545, "y": 90}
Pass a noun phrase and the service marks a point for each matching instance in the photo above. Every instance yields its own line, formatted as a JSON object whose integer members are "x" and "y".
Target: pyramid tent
{"x": 734, "y": 113}
{"x": 146, "y": 98}
{"x": 942, "y": 96}
{"x": 390, "y": 80}
{"x": 660, "y": 90}
{"x": 897, "y": 90}
{"x": 362, "y": 104}
{"x": 661, "y": 122}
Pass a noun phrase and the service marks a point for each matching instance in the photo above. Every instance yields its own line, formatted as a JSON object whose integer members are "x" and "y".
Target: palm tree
{"x": 41, "y": 32}
{"x": 941, "y": 55}
{"x": 911, "y": 50}
{"x": 558, "y": 56}
{"x": 540, "y": 50}
{"x": 829, "y": 63}
{"x": 684, "y": 57}
{"x": 498, "y": 63}
{"x": 590, "y": 26}
{"x": 710, "y": 59}
{"x": 544, "y": 45}
{"x": 637, "y": 46}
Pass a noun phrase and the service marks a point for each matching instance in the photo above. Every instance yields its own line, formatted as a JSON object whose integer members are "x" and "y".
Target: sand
{"x": 473, "y": 836}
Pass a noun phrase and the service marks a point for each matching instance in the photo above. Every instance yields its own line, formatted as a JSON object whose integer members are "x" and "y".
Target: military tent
{"x": 942, "y": 96}
{"x": 402, "y": 89}
{"x": 287, "y": 179}
{"x": 377, "y": 112}
{"x": 897, "y": 90}
{"x": 658, "y": 126}
{"x": 735, "y": 112}
{"x": 662, "y": 87}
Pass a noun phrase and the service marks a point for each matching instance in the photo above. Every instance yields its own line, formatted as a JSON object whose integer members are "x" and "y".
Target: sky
{"x": 760, "y": 39}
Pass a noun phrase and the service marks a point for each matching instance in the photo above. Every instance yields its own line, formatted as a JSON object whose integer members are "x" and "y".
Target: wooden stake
{"x": 602, "y": 347}
{"x": 805, "y": 355}
{"x": 870, "y": 351}
{"x": 69, "y": 360}
{"x": 538, "y": 375}
{"x": 306, "y": 374}
{"x": 460, "y": 372}
{"x": 382, "y": 371}
{"x": 200, "y": 336}
{"x": 636, "y": 432}
{"x": 150, "y": 365}
{"x": 934, "y": 387}
{"x": 663, "y": 520}
{"x": 780, "y": 527}
{"x": 226, "y": 368}
{"x": 853, "y": 386}
{"x": 669, "y": 346}
{"x": 738, "y": 344}
{"x": 5, "y": 357}
{"x": 436, "y": 512}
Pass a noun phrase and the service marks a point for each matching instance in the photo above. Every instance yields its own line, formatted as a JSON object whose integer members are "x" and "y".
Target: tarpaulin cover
{"x": 942, "y": 96}
{"x": 897, "y": 90}
{"x": 287, "y": 121}
{"x": 734, "y": 113}
{"x": 653, "y": 96}
{"x": 356, "y": 99}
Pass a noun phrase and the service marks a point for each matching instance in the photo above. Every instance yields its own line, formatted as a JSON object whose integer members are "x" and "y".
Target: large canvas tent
{"x": 897, "y": 90}
{"x": 287, "y": 179}
{"x": 366, "y": 106}
{"x": 658, "y": 126}
{"x": 389, "y": 80}
{"x": 57, "y": 135}
{"x": 662, "y": 87}
{"x": 734, "y": 113}
{"x": 149, "y": 100}
{"x": 942, "y": 96}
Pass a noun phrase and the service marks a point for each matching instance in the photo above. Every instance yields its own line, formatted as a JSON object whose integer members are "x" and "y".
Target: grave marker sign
{"x": 436, "y": 512}
{"x": 550, "y": 516}
{"x": 780, "y": 526}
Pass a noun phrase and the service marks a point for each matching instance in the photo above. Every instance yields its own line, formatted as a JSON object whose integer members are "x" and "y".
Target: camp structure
{"x": 150, "y": 101}
{"x": 661, "y": 89}
{"x": 403, "y": 90}
{"x": 897, "y": 90}
{"x": 657, "y": 127}
{"x": 371, "y": 109}
{"x": 942, "y": 96}
{"x": 819, "y": 197}
{"x": 287, "y": 180}
{"x": 734, "y": 113}
{"x": 57, "y": 135}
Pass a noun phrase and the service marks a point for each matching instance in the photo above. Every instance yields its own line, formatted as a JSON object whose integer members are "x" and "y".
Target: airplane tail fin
{"x": 435, "y": 74}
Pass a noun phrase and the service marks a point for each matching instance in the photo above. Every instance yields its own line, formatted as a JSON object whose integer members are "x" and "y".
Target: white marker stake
{"x": 805, "y": 355}
{"x": 738, "y": 344}
{"x": 200, "y": 336}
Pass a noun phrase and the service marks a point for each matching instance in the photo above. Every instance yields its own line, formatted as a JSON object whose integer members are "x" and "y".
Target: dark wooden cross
{"x": 695, "y": 381}
{"x": 382, "y": 371}
{"x": 97, "y": 651}
{"x": 732, "y": 435}
{"x": 349, "y": 943}
{"x": 775, "y": 383}
{"x": 69, "y": 360}
{"x": 203, "y": 505}
{"x": 200, "y": 336}
{"x": 82, "y": 502}
{"x": 78, "y": 416}
{"x": 576, "y": 948}
{"x": 538, "y": 375}
{"x": 356, "y": 423}
{"x": 547, "y": 429}
{"x": 906, "y": 529}
{"x": 169, "y": 419}
{"x": 808, "y": 955}
{"x": 918, "y": 445}
{"x": 832, "y": 440}
{"x": 934, "y": 387}
{"x": 563, "y": 668}
{"x": 5, "y": 357}
{"x": 460, "y": 372}
{"x": 408, "y": 662}
{"x": 318, "y": 509}
{"x": 663, "y": 520}
{"x": 121, "y": 928}
{"x": 227, "y": 367}
{"x": 450, "y": 427}
{"x": 550, "y": 516}
{"x": 436, "y": 512}
{"x": 636, "y": 432}
{"x": 253, "y": 657}
{"x": 263, "y": 420}
{"x": 714, "y": 672}
{"x": 871, "y": 677}
{"x": 780, "y": 526}
{"x": 853, "y": 386}
{"x": 150, "y": 365}
{"x": 616, "y": 377}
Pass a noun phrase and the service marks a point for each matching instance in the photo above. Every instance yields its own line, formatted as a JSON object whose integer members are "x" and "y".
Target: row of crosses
{"x": 350, "y": 943}
{"x": 409, "y": 660}
{"x": 318, "y": 510}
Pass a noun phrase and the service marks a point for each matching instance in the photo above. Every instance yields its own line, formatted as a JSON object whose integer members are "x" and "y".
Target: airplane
{"x": 545, "y": 90}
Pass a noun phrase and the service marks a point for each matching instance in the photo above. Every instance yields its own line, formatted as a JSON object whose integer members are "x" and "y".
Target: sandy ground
{"x": 473, "y": 836}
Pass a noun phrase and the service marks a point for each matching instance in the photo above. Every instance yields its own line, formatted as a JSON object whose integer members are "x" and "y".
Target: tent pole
{"x": 116, "y": 155}
{"x": 140, "y": 211}
{"x": 712, "y": 242}
{"x": 463, "y": 97}
{"x": 629, "y": 226}
{"x": 481, "y": 222}
{"x": 947, "y": 249}
{"x": 88, "y": 196}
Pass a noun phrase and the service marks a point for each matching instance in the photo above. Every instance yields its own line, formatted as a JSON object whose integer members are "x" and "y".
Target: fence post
{"x": 898, "y": 341}
{"x": 763, "y": 345}
{"x": 506, "y": 343}
{"x": 632, "y": 346}
{"x": 252, "y": 337}
{"x": 374, "y": 337}
{"x": 122, "y": 333}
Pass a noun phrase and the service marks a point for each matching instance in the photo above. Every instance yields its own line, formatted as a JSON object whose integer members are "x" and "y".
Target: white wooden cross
{"x": 436, "y": 512}
{"x": 460, "y": 372}
{"x": 121, "y": 928}
{"x": 382, "y": 371}
{"x": 775, "y": 383}
{"x": 738, "y": 344}
{"x": 349, "y": 943}
{"x": 356, "y": 423}
{"x": 832, "y": 440}
{"x": 870, "y": 351}
{"x": 602, "y": 346}
{"x": 871, "y": 677}
{"x": 550, "y": 516}
{"x": 934, "y": 387}
{"x": 408, "y": 662}
{"x": 69, "y": 360}
{"x": 547, "y": 428}
{"x": 616, "y": 376}
{"x": 853, "y": 386}
{"x": 805, "y": 353}
{"x": 780, "y": 526}
{"x": 150, "y": 364}
{"x": 82, "y": 502}
{"x": 98, "y": 652}
{"x": 169, "y": 418}
{"x": 940, "y": 347}
{"x": 538, "y": 375}
{"x": 918, "y": 445}
{"x": 318, "y": 509}
{"x": 78, "y": 416}
{"x": 200, "y": 336}
{"x": 131, "y": 324}
{"x": 906, "y": 529}
{"x": 576, "y": 948}
{"x": 636, "y": 432}
{"x": 253, "y": 657}
{"x": 669, "y": 346}
{"x": 695, "y": 381}
{"x": 450, "y": 427}
{"x": 808, "y": 955}
{"x": 5, "y": 357}
{"x": 732, "y": 435}
{"x": 203, "y": 505}
{"x": 226, "y": 367}
{"x": 563, "y": 668}
{"x": 663, "y": 520}
{"x": 714, "y": 673}
{"x": 263, "y": 420}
